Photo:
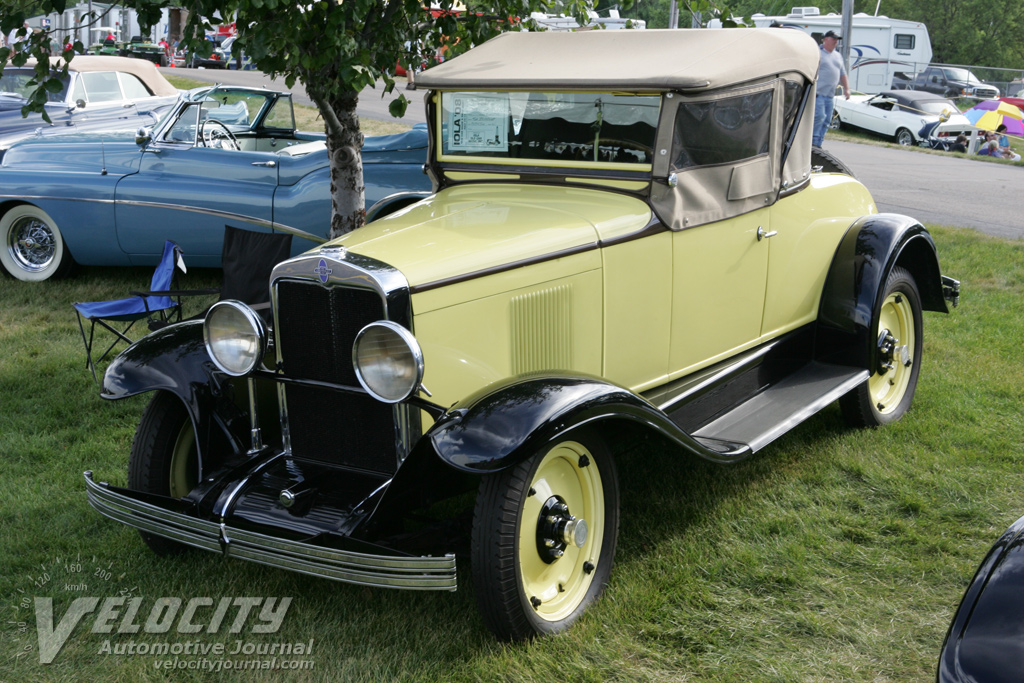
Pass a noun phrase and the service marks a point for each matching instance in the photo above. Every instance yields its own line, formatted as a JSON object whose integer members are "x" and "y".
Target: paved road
{"x": 941, "y": 189}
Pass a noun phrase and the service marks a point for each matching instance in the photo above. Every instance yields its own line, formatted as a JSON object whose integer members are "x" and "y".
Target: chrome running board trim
{"x": 412, "y": 573}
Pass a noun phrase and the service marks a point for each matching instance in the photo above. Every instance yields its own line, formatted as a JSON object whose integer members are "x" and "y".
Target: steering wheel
{"x": 214, "y": 133}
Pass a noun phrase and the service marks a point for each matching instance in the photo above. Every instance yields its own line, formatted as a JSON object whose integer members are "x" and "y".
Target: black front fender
{"x": 175, "y": 359}
{"x": 501, "y": 426}
{"x": 852, "y": 296}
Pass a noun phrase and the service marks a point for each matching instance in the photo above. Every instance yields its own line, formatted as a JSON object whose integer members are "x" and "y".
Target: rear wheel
{"x": 898, "y": 331}
{"x": 544, "y": 535}
{"x": 164, "y": 459}
{"x": 904, "y": 137}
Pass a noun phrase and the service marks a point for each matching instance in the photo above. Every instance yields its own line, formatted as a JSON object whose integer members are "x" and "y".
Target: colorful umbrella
{"x": 988, "y": 115}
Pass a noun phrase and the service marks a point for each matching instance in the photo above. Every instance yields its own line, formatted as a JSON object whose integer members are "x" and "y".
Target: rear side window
{"x": 722, "y": 131}
{"x": 102, "y": 86}
{"x": 904, "y": 41}
{"x": 133, "y": 87}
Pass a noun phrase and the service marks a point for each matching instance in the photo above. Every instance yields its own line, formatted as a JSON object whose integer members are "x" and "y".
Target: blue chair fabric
{"x": 157, "y": 304}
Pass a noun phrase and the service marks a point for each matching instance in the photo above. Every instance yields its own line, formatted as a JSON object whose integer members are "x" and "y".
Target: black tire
{"x": 164, "y": 458}
{"x": 828, "y": 162}
{"x": 836, "y": 123}
{"x": 888, "y": 393}
{"x": 904, "y": 137}
{"x": 524, "y": 586}
{"x": 33, "y": 248}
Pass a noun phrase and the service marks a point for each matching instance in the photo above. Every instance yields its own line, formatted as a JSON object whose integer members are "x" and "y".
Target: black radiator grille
{"x": 316, "y": 328}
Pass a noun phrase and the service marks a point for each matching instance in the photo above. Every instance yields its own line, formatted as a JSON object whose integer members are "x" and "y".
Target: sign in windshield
{"x": 549, "y": 128}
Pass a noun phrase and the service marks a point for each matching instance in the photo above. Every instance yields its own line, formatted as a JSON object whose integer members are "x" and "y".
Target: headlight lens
{"x": 235, "y": 336}
{"x": 388, "y": 361}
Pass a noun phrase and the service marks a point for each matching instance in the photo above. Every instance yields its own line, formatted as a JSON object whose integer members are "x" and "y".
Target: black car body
{"x": 953, "y": 82}
{"x": 985, "y": 642}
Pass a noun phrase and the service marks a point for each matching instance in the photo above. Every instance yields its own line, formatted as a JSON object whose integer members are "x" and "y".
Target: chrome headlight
{"x": 235, "y": 336}
{"x": 388, "y": 361}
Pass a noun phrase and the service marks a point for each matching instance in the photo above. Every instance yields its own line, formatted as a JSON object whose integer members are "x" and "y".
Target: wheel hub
{"x": 557, "y": 529}
{"x": 33, "y": 245}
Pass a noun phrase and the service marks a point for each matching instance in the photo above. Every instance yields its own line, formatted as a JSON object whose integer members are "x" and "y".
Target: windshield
{"x": 549, "y": 128}
{"x": 961, "y": 75}
{"x": 938, "y": 107}
{"x": 15, "y": 83}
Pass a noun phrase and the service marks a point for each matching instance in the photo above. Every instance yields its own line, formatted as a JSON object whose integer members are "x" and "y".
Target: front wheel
{"x": 904, "y": 137}
{"x": 33, "y": 247}
{"x": 164, "y": 459}
{"x": 898, "y": 332}
{"x": 544, "y": 535}
{"x": 836, "y": 123}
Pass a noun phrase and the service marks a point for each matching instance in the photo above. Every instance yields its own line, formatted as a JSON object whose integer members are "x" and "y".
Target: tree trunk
{"x": 344, "y": 149}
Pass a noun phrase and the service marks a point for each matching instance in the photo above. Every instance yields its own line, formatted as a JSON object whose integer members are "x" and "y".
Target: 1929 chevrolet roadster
{"x": 626, "y": 233}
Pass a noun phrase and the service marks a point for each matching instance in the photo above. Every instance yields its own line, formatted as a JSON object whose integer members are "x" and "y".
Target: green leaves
{"x": 398, "y": 107}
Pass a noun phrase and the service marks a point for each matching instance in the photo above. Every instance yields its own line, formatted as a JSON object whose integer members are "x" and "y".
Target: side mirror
{"x": 143, "y": 136}
{"x": 80, "y": 103}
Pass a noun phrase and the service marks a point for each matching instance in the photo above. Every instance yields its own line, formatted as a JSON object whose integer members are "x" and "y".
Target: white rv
{"x": 561, "y": 22}
{"x": 884, "y": 53}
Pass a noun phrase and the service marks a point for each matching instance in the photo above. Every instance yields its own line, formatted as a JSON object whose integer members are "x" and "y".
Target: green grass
{"x": 849, "y": 134}
{"x": 832, "y": 555}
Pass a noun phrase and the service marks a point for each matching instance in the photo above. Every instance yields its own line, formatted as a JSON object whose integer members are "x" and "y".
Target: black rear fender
{"x": 871, "y": 248}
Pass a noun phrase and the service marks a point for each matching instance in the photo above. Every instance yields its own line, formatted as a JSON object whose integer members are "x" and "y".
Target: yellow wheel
{"x": 164, "y": 459}
{"x": 544, "y": 536}
{"x": 888, "y": 393}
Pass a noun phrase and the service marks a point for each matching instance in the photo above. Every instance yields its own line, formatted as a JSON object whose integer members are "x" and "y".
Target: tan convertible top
{"x": 665, "y": 59}
{"x": 145, "y": 70}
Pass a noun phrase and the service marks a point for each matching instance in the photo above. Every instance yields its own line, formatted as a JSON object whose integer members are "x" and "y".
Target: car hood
{"x": 471, "y": 229}
{"x": 985, "y": 642}
{"x": 114, "y": 152}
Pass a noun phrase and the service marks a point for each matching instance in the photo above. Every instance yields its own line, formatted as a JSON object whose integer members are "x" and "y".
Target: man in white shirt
{"x": 831, "y": 73}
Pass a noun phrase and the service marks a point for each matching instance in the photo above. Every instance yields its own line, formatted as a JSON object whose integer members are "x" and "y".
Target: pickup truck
{"x": 952, "y": 82}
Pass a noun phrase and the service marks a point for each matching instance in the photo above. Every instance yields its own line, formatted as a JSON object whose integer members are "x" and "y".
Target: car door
{"x": 719, "y": 275}
{"x": 874, "y": 115}
{"x": 188, "y": 192}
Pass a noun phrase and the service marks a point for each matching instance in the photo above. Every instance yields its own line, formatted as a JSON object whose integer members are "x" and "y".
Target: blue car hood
{"x": 113, "y": 152}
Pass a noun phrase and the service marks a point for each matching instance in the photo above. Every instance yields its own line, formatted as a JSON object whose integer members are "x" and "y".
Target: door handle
{"x": 762, "y": 234}
{"x": 268, "y": 164}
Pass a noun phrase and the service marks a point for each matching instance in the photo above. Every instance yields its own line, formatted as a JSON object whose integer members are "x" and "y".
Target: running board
{"x": 776, "y": 410}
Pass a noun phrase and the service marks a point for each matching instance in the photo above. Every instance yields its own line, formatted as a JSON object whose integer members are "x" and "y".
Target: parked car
{"x": 224, "y": 154}
{"x": 99, "y": 92}
{"x": 213, "y": 58}
{"x": 140, "y": 48}
{"x": 900, "y": 114}
{"x": 985, "y": 641}
{"x": 951, "y": 81}
{"x": 628, "y": 235}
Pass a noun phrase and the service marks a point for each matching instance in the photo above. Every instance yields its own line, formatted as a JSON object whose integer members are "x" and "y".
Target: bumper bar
{"x": 414, "y": 573}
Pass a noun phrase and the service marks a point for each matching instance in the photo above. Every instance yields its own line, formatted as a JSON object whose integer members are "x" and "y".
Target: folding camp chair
{"x": 247, "y": 259}
{"x": 156, "y": 304}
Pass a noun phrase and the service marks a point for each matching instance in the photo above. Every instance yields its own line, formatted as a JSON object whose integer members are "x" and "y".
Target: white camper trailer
{"x": 884, "y": 53}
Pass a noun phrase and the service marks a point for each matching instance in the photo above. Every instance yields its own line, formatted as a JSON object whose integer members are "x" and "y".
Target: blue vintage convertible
{"x": 223, "y": 155}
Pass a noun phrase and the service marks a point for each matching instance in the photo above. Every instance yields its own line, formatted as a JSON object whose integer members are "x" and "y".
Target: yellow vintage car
{"x": 629, "y": 233}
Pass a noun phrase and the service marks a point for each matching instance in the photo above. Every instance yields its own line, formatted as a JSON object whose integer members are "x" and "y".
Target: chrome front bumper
{"x": 414, "y": 573}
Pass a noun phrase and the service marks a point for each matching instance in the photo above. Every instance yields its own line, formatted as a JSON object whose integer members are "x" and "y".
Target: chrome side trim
{"x": 412, "y": 573}
{"x": 280, "y": 227}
